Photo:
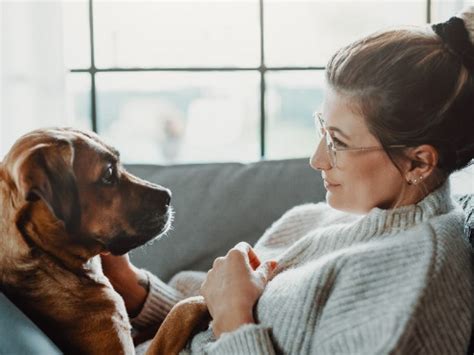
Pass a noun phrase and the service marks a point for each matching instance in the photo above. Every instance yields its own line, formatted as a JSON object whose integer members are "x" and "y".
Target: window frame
{"x": 261, "y": 68}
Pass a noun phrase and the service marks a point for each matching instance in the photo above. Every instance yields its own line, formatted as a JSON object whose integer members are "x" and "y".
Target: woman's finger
{"x": 253, "y": 259}
{"x": 266, "y": 270}
{"x": 217, "y": 261}
{"x": 247, "y": 249}
{"x": 244, "y": 246}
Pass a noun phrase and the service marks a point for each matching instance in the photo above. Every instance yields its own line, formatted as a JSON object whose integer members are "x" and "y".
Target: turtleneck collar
{"x": 381, "y": 221}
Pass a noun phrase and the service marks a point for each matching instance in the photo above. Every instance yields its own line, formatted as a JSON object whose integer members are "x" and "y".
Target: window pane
{"x": 291, "y": 99}
{"x": 441, "y": 10}
{"x": 78, "y": 100}
{"x": 180, "y": 117}
{"x": 307, "y": 33}
{"x": 176, "y": 33}
{"x": 76, "y": 34}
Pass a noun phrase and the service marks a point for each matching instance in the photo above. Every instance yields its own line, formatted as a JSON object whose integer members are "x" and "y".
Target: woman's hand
{"x": 129, "y": 281}
{"x": 233, "y": 286}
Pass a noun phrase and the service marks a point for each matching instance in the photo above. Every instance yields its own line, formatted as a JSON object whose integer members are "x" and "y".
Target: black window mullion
{"x": 262, "y": 83}
{"x": 92, "y": 70}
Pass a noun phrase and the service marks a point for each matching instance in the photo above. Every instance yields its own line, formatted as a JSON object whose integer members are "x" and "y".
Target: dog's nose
{"x": 168, "y": 195}
{"x": 160, "y": 199}
{"x": 164, "y": 196}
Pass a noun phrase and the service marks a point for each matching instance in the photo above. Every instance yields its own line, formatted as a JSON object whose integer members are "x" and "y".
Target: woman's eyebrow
{"x": 332, "y": 128}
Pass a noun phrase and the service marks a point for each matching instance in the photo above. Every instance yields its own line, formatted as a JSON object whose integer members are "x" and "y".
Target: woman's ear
{"x": 423, "y": 161}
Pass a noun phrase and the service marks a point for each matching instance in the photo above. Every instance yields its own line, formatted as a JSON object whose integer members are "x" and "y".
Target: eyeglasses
{"x": 333, "y": 148}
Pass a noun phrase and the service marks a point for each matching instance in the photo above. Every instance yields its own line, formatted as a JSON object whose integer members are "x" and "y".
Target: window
{"x": 170, "y": 81}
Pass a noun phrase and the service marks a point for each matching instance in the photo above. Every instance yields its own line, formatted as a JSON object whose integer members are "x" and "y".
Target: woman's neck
{"x": 414, "y": 193}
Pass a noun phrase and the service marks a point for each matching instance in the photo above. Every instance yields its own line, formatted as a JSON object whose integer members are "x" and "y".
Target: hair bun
{"x": 457, "y": 34}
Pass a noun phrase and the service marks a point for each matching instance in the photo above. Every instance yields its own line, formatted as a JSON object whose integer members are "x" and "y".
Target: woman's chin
{"x": 353, "y": 208}
{"x": 331, "y": 200}
{"x": 340, "y": 203}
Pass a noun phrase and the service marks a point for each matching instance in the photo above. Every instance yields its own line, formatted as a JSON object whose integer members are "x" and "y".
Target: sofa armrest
{"x": 19, "y": 334}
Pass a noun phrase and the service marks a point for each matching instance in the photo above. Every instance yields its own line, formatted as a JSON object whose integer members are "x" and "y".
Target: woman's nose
{"x": 320, "y": 159}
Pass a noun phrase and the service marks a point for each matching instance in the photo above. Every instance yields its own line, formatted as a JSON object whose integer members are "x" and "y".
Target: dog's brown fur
{"x": 184, "y": 320}
{"x": 58, "y": 213}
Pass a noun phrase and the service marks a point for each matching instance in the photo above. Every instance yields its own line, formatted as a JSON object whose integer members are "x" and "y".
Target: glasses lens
{"x": 319, "y": 129}
{"x": 331, "y": 150}
{"x": 321, "y": 134}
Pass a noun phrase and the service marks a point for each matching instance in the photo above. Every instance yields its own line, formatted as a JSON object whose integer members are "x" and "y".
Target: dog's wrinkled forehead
{"x": 95, "y": 143}
{"x": 92, "y": 153}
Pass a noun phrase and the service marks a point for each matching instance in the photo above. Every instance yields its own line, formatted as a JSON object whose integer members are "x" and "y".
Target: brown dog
{"x": 185, "y": 319}
{"x": 65, "y": 198}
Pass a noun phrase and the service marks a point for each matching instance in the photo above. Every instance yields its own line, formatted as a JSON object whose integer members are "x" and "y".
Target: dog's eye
{"x": 109, "y": 177}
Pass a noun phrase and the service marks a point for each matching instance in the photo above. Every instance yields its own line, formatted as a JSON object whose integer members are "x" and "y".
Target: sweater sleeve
{"x": 415, "y": 299}
{"x": 161, "y": 298}
{"x": 247, "y": 339}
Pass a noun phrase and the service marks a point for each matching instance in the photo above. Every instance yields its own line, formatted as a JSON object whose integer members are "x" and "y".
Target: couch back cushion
{"x": 218, "y": 205}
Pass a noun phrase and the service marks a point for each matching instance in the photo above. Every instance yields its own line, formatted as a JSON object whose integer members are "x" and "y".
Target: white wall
{"x": 32, "y": 68}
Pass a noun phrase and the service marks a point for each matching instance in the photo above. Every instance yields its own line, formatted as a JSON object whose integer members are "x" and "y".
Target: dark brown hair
{"x": 412, "y": 90}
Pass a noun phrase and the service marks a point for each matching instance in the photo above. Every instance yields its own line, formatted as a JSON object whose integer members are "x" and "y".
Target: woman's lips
{"x": 329, "y": 185}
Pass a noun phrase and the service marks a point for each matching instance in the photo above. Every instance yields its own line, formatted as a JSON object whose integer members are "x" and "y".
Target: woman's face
{"x": 361, "y": 180}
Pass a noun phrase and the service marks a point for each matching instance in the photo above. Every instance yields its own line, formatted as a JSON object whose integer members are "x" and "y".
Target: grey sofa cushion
{"x": 218, "y": 205}
{"x": 19, "y": 335}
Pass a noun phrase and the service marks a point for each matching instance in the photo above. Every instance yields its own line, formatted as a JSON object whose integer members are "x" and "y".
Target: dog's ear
{"x": 47, "y": 173}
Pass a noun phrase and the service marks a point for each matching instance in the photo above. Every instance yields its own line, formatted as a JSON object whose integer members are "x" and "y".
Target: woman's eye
{"x": 108, "y": 178}
{"x": 338, "y": 143}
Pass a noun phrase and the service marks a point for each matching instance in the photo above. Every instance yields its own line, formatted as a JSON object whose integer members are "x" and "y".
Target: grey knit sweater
{"x": 392, "y": 281}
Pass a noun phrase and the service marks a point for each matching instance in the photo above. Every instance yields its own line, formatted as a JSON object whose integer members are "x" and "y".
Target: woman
{"x": 381, "y": 267}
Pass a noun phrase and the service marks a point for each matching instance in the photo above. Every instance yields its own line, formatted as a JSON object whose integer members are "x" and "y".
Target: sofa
{"x": 216, "y": 206}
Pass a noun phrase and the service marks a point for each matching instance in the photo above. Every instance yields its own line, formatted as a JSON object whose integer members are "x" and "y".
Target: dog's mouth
{"x": 147, "y": 230}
